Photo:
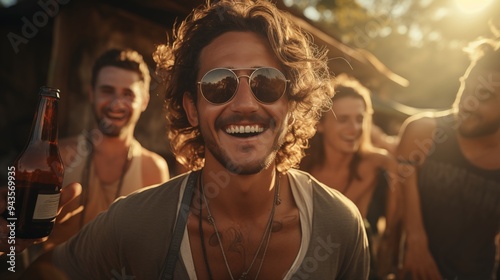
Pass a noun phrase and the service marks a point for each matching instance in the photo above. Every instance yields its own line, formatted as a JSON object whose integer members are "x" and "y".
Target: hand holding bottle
{"x": 32, "y": 199}
{"x": 68, "y": 193}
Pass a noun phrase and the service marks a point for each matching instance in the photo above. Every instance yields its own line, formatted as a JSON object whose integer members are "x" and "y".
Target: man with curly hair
{"x": 244, "y": 89}
{"x": 450, "y": 170}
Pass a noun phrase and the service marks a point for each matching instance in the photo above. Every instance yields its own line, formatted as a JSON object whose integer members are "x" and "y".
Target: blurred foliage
{"x": 421, "y": 40}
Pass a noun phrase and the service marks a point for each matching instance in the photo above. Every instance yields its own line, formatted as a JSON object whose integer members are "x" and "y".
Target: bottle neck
{"x": 45, "y": 122}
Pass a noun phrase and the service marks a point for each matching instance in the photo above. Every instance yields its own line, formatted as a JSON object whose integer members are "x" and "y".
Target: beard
{"x": 479, "y": 129}
{"x": 238, "y": 168}
{"x": 249, "y": 167}
{"x": 106, "y": 127}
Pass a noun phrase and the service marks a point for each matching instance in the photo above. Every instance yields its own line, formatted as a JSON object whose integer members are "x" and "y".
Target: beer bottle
{"x": 39, "y": 172}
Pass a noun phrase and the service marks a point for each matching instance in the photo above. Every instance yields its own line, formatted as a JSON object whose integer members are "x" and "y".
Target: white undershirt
{"x": 302, "y": 193}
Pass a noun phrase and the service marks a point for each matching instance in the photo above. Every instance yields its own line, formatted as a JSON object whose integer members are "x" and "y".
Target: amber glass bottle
{"x": 39, "y": 172}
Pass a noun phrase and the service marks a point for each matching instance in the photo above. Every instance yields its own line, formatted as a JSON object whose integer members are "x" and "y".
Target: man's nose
{"x": 119, "y": 101}
{"x": 244, "y": 100}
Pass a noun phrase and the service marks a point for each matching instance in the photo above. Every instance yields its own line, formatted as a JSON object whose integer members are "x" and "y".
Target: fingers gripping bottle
{"x": 39, "y": 172}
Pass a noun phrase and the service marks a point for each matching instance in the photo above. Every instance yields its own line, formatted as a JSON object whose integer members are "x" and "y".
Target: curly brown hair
{"x": 304, "y": 64}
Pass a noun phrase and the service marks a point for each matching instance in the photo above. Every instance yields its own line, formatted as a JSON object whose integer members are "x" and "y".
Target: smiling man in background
{"x": 108, "y": 161}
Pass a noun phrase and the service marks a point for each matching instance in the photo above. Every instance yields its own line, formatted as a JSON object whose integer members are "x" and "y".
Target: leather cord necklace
{"x": 86, "y": 178}
{"x": 265, "y": 237}
{"x": 202, "y": 237}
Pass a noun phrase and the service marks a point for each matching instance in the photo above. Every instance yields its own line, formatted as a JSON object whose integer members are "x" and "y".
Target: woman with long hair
{"x": 342, "y": 156}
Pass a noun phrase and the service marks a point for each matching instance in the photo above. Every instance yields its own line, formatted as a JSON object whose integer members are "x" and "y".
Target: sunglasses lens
{"x": 219, "y": 85}
{"x": 268, "y": 84}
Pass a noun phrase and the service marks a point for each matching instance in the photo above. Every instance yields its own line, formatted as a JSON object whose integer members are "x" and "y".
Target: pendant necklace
{"x": 86, "y": 178}
{"x": 265, "y": 237}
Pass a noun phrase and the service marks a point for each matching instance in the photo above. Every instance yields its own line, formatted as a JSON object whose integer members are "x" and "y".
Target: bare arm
{"x": 387, "y": 249}
{"x": 43, "y": 269}
{"x": 394, "y": 195}
{"x": 418, "y": 261}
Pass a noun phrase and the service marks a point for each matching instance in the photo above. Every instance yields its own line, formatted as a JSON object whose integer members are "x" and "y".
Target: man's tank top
{"x": 100, "y": 196}
{"x": 460, "y": 207}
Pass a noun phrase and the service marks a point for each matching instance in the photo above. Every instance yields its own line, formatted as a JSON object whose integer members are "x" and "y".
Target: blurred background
{"x": 407, "y": 52}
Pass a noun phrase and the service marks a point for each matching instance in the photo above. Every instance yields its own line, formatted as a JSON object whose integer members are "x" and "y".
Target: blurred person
{"x": 244, "y": 89}
{"x": 108, "y": 161}
{"x": 449, "y": 164}
{"x": 342, "y": 157}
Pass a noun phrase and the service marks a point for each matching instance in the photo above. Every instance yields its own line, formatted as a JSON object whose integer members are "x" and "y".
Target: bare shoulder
{"x": 152, "y": 158}
{"x": 417, "y": 127}
{"x": 416, "y": 136}
{"x": 420, "y": 125}
{"x": 154, "y": 167}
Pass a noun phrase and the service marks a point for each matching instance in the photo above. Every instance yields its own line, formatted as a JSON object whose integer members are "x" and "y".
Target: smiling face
{"x": 242, "y": 135}
{"x": 342, "y": 132}
{"x": 118, "y": 100}
{"x": 479, "y": 104}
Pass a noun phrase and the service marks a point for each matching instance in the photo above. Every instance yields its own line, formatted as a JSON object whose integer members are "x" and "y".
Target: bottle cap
{"x": 50, "y": 92}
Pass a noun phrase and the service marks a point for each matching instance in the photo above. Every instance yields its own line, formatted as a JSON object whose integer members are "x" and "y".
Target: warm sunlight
{"x": 472, "y": 6}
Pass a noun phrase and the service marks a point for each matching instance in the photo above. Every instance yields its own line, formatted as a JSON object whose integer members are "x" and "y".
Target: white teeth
{"x": 115, "y": 115}
{"x": 244, "y": 129}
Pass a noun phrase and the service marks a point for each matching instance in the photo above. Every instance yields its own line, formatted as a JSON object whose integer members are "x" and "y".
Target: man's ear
{"x": 190, "y": 108}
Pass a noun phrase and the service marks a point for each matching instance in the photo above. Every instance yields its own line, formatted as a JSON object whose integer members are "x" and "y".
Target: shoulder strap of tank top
{"x": 175, "y": 242}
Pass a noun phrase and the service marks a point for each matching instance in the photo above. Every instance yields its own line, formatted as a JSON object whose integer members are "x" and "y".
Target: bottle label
{"x": 46, "y": 206}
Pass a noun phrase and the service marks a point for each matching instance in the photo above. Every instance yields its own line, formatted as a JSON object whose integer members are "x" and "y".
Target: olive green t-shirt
{"x": 131, "y": 239}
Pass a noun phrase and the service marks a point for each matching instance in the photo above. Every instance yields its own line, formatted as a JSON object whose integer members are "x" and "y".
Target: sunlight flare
{"x": 473, "y": 6}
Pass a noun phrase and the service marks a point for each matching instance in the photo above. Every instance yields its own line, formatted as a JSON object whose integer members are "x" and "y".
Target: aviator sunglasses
{"x": 219, "y": 85}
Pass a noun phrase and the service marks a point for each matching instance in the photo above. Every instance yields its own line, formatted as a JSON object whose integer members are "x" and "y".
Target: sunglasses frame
{"x": 232, "y": 70}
